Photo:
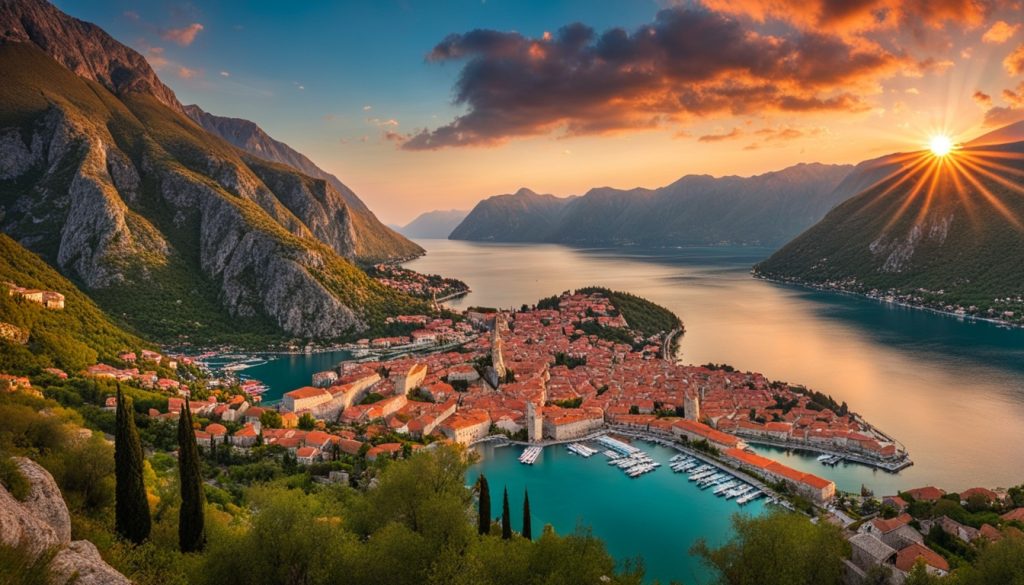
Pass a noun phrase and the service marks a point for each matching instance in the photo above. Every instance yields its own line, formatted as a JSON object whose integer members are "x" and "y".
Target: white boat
{"x": 721, "y": 489}
{"x": 749, "y": 497}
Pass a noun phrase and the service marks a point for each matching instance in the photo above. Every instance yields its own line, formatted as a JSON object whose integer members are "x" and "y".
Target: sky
{"x": 422, "y": 105}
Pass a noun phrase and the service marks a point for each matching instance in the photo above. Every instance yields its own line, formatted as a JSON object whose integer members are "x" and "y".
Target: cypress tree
{"x": 191, "y": 529}
{"x": 131, "y": 507}
{"x": 527, "y": 529}
{"x": 484, "y": 507}
{"x": 506, "y": 519}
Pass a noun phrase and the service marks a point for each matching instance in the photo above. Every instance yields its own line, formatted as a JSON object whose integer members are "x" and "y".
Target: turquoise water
{"x": 292, "y": 371}
{"x": 658, "y": 515}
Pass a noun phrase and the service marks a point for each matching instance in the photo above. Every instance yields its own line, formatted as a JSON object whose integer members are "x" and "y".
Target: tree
{"x": 307, "y": 422}
{"x": 131, "y": 507}
{"x": 506, "y": 519}
{"x": 527, "y": 528}
{"x": 484, "y": 507}
{"x": 778, "y": 548}
{"x": 270, "y": 419}
{"x": 191, "y": 524}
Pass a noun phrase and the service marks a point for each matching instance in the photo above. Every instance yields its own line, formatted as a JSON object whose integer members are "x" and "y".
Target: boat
{"x": 721, "y": 489}
{"x": 824, "y": 457}
{"x": 750, "y": 497}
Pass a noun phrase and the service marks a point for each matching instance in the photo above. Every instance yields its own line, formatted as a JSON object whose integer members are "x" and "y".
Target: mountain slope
{"x": 944, "y": 234}
{"x": 434, "y": 224}
{"x": 167, "y": 226}
{"x": 523, "y": 216}
{"x": 766, "y": 210}
{"x": 327, "y": 206}
{"x": 72, "y": 338}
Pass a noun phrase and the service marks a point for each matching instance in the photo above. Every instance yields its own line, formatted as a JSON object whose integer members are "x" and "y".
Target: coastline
{"x": 880, "y": 299}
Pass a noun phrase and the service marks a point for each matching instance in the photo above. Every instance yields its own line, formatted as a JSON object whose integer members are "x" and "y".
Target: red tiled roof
{"x": 906, "y": 558}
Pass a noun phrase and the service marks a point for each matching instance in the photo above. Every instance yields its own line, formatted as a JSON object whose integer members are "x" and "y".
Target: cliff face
{"x": 41, "y": 524}
{"x": 332, "y": 210}
{"x": 765, "y": 210}
{"x": 153, "y": 216}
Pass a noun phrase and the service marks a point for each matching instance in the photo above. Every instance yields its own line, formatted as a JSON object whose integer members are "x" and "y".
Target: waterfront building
{"x": 305, "y": 398}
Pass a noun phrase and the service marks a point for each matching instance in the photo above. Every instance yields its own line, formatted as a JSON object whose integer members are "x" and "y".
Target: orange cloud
{"x": 730, "y": 135}
{"x": 183, "y": 36}
{"x": 982, "y": 99}
{"x": 853, "y": 16}
{"x": 1014, "y": 62}
{"x": 687, "y": 62}
{"x": 186, "y": 73}
{"x": 1000, "y": 32}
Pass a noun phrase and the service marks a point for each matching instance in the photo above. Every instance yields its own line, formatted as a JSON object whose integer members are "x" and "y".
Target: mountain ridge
{"x": 693, "y": 210}
{"x": 437, "y": 224}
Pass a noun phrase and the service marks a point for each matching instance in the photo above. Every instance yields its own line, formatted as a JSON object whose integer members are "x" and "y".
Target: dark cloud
{"x": 687, "y": 62}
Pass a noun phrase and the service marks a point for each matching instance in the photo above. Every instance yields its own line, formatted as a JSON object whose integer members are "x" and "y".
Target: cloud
{"x": 1014, "y": 62}
{"x": 857, "y": 16}
{"x": 187, "y": 73}
{"x": 131, "y": 15}
{"x": 1000, "y": 32}
{"x": 1001, "y": 116}
{"x": 1015, "y": 97}
{"x": 155, "y": 56}
{"x": 225, "y": 74}
{"x": 389, "y": 123}
{"x": 183, "y": 36}
{"x": 367, "y": 108}
{"x": 982, "y": 99}
{"x": 688, "y": 62}
{"x": 730, "y": 135}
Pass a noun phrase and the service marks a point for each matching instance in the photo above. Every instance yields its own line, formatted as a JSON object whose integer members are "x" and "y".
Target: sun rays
{"x": 976, "y": 176}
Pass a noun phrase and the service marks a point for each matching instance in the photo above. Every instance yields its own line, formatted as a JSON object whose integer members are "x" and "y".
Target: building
{"x": 48, "y": 299}
{"x": 411, "y": 380}
{"x": 571, "y": 423}
{"x": 895, "y": 532}
{"x": 697, "y": 431}
{"x": 908, "y": 556}
{"x": 305, "y": 398}
{"x": 807, "y": 484}
{"x": 466, "y": 426}
{"x": 534, "y": 424}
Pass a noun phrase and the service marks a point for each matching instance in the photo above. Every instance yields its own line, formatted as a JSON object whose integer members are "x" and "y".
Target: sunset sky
{"x": 435, "y": 105}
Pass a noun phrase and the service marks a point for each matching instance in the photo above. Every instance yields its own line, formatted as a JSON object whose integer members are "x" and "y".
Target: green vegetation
{"x": 131, "y": 510}
{"x": 642, "y": 315}
{"x": 191, "y": 519}
{"x": 779, "y": 548}
{"x": 483, "y": 506}
{"x": 506, "y": 518}
{"x": 20, "y": 566}
{"x": 527, "y": 521}
{"x": 70, "y": 339}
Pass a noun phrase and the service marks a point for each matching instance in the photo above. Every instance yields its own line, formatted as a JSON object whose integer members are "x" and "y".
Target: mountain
{"x": 1005, "y": 135}
{"x": 941, "y": 233}
{"x": 336, "y": 215}
{"x": 766, "y": 210}
{"x": 169, "y": 228}
{"x": 523, "y": 216}
{"x": 434, "y": 224}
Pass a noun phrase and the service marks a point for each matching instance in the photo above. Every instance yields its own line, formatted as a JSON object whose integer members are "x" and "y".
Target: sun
{"x": 940, "y": 145}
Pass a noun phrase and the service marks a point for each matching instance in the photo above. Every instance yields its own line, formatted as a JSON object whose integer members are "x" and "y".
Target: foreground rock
{"x": 41, "y": 523}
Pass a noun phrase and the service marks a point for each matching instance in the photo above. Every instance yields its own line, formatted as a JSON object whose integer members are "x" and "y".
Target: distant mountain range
{"x": 433, "y": 224}
{"x": 169, "y": 227}
{"x": 947, "y": 234}
{"x": 765, "y": 210}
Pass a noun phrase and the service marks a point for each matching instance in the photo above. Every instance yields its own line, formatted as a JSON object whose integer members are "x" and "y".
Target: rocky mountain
{"x": 434, "y": 224}
{"x": 946, "y": 233}
{"x": 763, "y": 210}
{"x": 167, "y": 226}
{"x": 40, "y": 524}
{"x": 334, "y": 206}
{"x": 1009, "y": 133}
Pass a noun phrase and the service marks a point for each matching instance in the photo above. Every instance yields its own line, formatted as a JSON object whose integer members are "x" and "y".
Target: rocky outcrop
{"x": 13, "y": 334}
{"x": 82, "y": 47}
{"x": 42, "y": 525}
{"x": 333, "y": 212}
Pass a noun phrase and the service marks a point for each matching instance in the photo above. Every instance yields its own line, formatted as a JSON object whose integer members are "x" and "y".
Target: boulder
{"x": 41, "y": 523}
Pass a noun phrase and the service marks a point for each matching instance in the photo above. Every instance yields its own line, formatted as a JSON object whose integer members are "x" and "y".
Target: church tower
{"x": 534, "y": 424}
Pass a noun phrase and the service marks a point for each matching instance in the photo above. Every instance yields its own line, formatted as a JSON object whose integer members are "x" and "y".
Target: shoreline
{"x": 831, "y": 289}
